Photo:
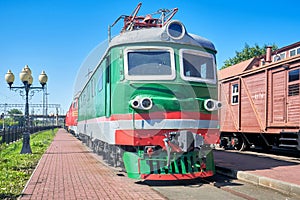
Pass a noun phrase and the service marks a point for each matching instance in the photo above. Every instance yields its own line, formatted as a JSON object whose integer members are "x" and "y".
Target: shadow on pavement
{"x": 216, "y": 180}
{"x": 247, "y": 162}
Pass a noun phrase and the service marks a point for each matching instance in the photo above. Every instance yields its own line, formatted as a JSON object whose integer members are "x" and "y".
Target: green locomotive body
{"x": 150, "y": 104}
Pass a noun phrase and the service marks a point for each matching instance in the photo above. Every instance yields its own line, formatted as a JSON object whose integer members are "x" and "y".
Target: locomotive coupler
{"x": 149, "y": 150}
{"x": 166, "y": 141}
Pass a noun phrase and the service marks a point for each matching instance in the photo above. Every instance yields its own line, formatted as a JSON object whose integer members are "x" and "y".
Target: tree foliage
{"x": 247, "y": 53}
{"x": 16, "y": 115}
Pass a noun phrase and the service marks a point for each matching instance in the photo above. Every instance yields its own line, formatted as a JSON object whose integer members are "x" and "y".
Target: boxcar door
{"x": 278, "y": 99}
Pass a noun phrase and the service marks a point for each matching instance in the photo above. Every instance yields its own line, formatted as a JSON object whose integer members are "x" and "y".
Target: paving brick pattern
{"x": 69, "y": 171}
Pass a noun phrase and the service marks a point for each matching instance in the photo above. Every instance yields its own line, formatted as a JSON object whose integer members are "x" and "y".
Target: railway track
{"x": 290, "y": 155}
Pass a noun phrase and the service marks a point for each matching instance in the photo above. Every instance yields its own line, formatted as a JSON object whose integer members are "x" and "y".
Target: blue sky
{"x": 57, "y": 35}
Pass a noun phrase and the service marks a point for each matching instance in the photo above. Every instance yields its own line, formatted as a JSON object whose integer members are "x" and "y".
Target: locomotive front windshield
{"x": 197, "y": 66}
{"x": 158, "y": 63}
{"x": 149, "y": 63}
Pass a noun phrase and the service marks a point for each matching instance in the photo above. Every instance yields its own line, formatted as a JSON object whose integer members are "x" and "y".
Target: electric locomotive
{"x": 150, "y": 104}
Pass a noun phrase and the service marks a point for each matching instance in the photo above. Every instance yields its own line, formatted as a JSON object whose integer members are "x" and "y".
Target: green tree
{"x": 247, "y": 53}
{"x": 16, "y": 115}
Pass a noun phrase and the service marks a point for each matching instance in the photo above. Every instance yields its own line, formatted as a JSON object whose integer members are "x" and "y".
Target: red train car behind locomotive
{"x": 72, "y": 117}
{"x": 261, "y": 102}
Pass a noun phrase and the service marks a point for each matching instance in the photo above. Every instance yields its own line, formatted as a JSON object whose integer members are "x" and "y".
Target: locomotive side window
{"x": 149, "y": 63}
{"x": 74, "y": 105}
{"x": 100, "y": 76}
{"x": 100, "y": 82}
{"x": 93, "y": 87}
{"x": 197, "y": 66}
{"x": 235, "y": 94}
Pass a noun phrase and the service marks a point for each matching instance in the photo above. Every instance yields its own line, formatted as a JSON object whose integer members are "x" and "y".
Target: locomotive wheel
{"x": 224, "y": 142}
{"x": 111, "y": 154}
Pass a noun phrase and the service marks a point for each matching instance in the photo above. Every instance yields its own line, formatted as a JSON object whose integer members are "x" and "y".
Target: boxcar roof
{"x": 248, "y": 66}
{"x": 159, "y": 35}
{"x": 234, "y": 69}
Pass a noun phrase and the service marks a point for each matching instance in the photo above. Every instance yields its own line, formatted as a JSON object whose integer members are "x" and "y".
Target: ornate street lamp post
{"x": 26, "y": 78}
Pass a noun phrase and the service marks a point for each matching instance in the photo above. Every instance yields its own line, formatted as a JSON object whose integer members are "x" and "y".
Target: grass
{"x": 16, "y": 168}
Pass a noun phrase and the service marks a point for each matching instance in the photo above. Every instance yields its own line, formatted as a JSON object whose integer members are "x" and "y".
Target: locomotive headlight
{"x": 135, "y": 103}
{"x": 175, "y": 29}
{"x": 219, "y": 105}
{"x": 211, "y": 105}
{"x": 142, "y": 103}
{"x": 146, "y": 103}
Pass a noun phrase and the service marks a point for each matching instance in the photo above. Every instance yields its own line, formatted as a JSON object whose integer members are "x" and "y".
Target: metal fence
{"x": 11, "y": 134}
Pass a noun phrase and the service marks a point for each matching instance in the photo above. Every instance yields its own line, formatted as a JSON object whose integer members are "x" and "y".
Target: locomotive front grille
{"x": 184, "y": 164}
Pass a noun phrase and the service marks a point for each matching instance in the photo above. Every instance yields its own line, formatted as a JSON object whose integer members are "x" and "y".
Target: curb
{"x": 280, "y": 186}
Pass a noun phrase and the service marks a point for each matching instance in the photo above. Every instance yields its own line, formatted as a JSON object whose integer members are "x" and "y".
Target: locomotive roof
{"x": 159, "y": 35}
{"x": 144, "y": 35}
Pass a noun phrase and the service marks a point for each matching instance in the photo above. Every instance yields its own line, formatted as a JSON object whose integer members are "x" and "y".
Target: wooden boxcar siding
{"x": 294, "y": 109}
{"x": 229, "y": 117}
{"x": 256, "y": 114}
{"x": 293, "y": 103}
{"x": 277, "y": 98}
{"x": 284, "y": 109}
{"x": 249, "y": 114}
{"x": 253, "y": 101}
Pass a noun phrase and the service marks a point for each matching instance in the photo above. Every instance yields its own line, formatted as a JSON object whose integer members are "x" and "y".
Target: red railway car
{"x": 72, "y": 117}
{"x": 261, "y": 102}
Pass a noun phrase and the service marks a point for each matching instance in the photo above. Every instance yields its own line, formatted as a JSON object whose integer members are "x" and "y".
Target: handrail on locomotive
{"x": 134, "y": 22}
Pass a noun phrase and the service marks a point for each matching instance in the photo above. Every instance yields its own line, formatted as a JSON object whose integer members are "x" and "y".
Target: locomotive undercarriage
{"x": 184, "y": 154}
{"x": 235, "y": 141}
{"x": 111, "y": 154}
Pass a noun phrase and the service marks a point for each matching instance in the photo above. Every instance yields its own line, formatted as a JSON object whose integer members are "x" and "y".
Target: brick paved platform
{"x": 68, "y": 170}
{"x": 278, "y": 174}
